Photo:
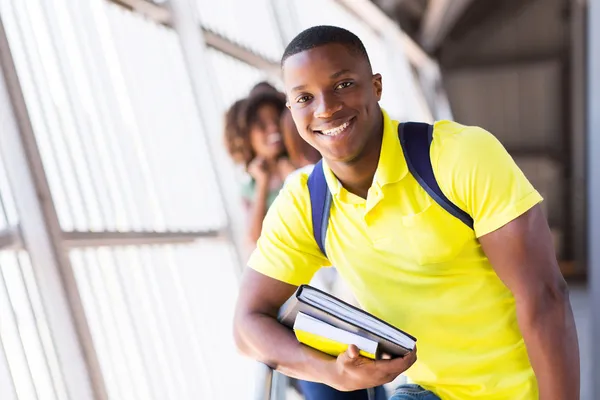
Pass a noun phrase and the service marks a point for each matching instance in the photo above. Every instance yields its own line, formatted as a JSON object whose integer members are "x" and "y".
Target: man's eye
{"x": 344, "y": 85}
{"x": 303, "y": 99}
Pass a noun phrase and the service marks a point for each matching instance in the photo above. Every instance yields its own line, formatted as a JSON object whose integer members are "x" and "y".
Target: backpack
{"x": 415, "y": 140}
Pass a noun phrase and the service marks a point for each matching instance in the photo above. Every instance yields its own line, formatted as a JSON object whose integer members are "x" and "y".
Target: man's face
{"x": 333, "y": 97}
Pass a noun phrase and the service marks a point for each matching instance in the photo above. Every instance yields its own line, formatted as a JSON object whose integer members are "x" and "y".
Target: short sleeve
{"x": 476, "y": 172}
{"x": 286, "y": 249}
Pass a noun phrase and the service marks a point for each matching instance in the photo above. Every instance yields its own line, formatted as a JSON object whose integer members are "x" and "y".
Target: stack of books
{"x": 330, "y": 325}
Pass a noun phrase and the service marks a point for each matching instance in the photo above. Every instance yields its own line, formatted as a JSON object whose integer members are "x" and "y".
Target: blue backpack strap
{"x": 416, "y": 139}
{"x": 320, "y": 204}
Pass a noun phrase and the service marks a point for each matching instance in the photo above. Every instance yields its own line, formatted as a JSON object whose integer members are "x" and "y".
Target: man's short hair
{"x": 321, "y": 35}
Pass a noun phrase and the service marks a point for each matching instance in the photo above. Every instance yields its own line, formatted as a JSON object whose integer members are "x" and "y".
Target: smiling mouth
{"x": 337, "y": 130}
{"x": 274, "y": 138}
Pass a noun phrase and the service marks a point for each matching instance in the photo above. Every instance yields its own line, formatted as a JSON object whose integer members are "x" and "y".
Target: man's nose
{"x": 328, "y": 105}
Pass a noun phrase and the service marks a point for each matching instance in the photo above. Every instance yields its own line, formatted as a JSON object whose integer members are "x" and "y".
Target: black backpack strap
{"x": 320, "y": 204}
{"x": 416, "y": 139}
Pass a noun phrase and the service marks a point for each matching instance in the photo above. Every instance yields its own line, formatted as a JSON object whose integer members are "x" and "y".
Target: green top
{"x": 249, "y": 191}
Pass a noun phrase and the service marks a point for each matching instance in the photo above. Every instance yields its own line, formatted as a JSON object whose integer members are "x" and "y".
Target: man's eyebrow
{"x": 339, "y": 73}
{"x": 332, "y": 76}
{"x": 297, "y": 88}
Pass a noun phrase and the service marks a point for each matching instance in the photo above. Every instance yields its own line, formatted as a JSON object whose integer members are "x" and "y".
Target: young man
{"x": 488, "y": 305}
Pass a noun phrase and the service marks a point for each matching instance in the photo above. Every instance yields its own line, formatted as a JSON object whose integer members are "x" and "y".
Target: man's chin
{"x": 342, "y": 158}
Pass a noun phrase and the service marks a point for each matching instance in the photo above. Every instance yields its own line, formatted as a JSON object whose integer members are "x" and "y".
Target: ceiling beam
{"x": 504, "y": 62}
{"x": 440, "y": 17}
{"x": 240, "y": 52}
{"x": 163, "y": 15}
{"x": 111, "y": 238}
{"x": 154, "y": 11}
{"x": 479, "y": 21}
{"x": 414, "y": 8}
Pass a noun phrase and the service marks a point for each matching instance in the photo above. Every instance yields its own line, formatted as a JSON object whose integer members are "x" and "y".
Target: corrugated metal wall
{"x": 121, "y": 143}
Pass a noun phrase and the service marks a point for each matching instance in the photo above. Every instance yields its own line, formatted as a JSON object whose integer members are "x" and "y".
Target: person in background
{"x": 236, "y": 141}
{"x": 253, "y": 140}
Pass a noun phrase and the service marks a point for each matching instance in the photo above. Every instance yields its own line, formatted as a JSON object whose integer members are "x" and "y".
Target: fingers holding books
{"x": 400, "y": 364}
{"x": 353, "y": 353}
{"x": 357, "y": 372}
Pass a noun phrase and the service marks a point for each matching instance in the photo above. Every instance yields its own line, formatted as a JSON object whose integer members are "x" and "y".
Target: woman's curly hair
{"x": 236, "y": 137}
{"x": 240, "y": 117}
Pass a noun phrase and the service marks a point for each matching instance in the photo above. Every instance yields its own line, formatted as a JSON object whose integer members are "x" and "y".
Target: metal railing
{"x": 271, "y": 385}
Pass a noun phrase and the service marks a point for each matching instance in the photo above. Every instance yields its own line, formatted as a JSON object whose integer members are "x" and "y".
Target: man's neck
{"x": 357, "y": 176}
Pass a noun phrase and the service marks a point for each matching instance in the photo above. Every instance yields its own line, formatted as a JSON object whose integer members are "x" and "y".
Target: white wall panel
{"x": 178, "y": 342}
{"x": 24, "y": 334}
{"x": 115, "y": 119}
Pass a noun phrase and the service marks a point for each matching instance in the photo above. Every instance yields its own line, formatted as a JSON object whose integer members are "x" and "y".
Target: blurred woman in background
{"x": 253, "y": 139}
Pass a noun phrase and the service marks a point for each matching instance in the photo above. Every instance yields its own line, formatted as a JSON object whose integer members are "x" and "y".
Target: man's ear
{"x": 377, "y": 84}
{"x": 288, "y": 105}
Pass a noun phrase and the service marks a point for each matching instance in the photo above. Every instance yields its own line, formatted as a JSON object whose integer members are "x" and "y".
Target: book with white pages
{"x": 337, "y": 313}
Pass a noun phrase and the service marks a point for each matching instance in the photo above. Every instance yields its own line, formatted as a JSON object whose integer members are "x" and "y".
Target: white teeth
{"x": 274, "y": 138}
{"x": 336, "y": 131}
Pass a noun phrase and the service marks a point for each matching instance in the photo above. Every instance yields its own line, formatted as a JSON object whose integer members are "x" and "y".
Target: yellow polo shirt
{"x": 416, "y": 266}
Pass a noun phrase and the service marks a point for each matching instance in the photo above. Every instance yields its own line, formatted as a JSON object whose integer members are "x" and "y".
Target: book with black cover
{"x": 327, "y": 308}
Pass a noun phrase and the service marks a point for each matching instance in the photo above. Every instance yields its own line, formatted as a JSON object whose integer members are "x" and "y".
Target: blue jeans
{"x": 319, "y": 391}
{"x": 412, "y": 392}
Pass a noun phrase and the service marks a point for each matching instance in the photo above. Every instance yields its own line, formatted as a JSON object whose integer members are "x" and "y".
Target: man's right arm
{"x": 259, "y": 335}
